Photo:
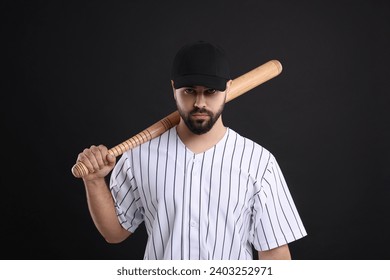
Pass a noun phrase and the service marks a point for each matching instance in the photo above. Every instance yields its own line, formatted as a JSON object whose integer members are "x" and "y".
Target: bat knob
{"x": 79, "y": 170}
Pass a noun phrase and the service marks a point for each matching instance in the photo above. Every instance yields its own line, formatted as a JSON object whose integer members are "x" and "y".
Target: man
{"x": 203, "y": 191}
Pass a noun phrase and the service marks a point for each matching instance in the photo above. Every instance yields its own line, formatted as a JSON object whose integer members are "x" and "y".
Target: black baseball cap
{"x": 201, "y": 63}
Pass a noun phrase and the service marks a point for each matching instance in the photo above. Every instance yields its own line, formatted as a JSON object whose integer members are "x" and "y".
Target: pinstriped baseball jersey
{"x": 211, "y": 205}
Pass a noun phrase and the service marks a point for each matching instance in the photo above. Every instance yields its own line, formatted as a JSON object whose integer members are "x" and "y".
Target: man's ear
{"x": 173, "y": 88}
{"x": 228, "y": 84}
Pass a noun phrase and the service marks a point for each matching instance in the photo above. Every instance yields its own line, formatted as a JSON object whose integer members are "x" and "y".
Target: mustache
{"x": 201, "y": 111}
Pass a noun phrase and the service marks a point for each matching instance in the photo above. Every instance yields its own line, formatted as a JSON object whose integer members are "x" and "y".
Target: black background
{"x": 97, "y": 72}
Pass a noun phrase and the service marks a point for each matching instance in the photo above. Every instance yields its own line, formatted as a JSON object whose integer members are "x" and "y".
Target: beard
{"x": 200, "y": 126}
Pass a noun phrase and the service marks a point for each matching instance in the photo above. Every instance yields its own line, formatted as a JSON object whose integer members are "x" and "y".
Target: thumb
{"x": 110, "y": 158}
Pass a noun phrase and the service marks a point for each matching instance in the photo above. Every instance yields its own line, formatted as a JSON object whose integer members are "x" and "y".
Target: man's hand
{"x": 98, "y": 161}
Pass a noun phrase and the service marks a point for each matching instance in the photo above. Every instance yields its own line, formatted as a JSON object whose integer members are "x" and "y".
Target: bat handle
{"x": 80, "y": 170}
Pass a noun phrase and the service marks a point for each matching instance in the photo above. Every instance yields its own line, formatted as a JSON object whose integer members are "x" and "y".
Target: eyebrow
{"x": 194, "y": 87}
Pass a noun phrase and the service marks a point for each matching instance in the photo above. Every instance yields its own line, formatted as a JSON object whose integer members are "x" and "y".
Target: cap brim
{"x": 201, "y": 80}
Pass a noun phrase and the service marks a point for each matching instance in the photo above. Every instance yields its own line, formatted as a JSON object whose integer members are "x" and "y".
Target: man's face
{"x": 200, "y": 107}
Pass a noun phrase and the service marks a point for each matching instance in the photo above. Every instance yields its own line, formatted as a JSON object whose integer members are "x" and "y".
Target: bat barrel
{"x": 254, "y": 78}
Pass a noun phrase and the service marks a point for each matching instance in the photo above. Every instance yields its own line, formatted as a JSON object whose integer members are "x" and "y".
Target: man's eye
{"x": 211, "y": 91}
{"x": 189, "y": 90}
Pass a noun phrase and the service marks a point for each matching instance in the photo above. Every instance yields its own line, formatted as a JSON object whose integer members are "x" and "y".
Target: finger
{"x": 98, "y": 156}
{"x": 111, "y": 159}
{"x": 104, "y": 152}
{"x": 85, "y": 160}
{"x": 92, "y": 158}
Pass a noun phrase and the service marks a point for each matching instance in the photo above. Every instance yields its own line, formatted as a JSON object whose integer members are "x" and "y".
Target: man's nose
{"x": 200, "y": 100}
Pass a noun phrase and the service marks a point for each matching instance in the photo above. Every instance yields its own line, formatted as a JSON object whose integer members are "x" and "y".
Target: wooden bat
{"x": 240, "y": 85}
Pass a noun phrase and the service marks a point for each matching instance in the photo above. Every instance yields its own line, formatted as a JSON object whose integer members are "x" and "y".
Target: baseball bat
{"x": 239, "y": 86}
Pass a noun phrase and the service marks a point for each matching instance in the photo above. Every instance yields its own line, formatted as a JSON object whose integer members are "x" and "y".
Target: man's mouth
{"x": 200, "y": 116}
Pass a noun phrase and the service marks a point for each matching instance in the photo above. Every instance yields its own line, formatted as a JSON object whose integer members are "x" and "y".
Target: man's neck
{"x": 201, "y": 143}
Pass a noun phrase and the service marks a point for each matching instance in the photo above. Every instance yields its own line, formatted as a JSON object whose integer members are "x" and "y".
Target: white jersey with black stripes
{"x": 212, "y": 205}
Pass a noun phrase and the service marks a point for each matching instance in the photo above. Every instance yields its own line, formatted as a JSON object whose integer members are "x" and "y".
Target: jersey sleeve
{"x": 275, "y": 217}
{"x": 125, "y": 193}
